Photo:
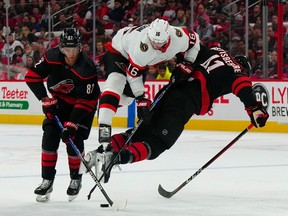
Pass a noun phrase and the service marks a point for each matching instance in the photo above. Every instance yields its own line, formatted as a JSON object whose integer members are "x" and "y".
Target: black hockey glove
{"x": 69, "y": 131}
{"x": 49, "y": 107}
{"x": 143, "y": 107}
{"x": 182, "y": 72}
{"x": 258, "y": 115}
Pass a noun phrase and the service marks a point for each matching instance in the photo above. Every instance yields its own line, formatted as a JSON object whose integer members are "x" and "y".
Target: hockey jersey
{"x": 76, "y": 85}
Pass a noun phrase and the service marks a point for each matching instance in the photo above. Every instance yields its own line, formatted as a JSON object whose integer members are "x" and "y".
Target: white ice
{"x": 249, "y": 179}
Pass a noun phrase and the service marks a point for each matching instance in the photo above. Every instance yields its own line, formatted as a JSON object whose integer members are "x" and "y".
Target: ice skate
{"x": 74, "y": 188}
{"x": 102, "y": 162}
{"x": 44, "y": 190}
{"x": 90, "y": 159}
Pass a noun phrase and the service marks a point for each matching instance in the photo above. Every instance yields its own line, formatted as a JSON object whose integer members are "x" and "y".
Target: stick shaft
{"x": 85, "y": 163}
{"x": 169, "y": 194}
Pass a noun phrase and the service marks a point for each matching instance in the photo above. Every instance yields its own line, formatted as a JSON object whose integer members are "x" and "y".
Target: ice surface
{"x": 249, "y": 179}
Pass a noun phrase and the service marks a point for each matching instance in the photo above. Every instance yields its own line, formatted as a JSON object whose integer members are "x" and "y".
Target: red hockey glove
{"x": 143, "y": 106}
{"x": 258, "y": 115}
{"x": 49, "y": 107}
{"x": 69, "y": 131}
{"x": 182, "y": 72}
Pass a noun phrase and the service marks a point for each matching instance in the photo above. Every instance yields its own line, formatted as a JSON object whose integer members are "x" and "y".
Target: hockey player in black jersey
{"x": 73, "y": 86}
{"x": 215, "y": 73}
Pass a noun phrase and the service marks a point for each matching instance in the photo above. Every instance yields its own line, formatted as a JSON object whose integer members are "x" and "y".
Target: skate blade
{"x": 72, "y": 197}
{"x": 43, "y": 198}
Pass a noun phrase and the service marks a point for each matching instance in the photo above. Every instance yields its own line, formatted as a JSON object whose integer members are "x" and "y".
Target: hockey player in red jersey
{"x": 73, "y": 85}
{"x": 131, "y": 51}
{"x": 214, "y": 73}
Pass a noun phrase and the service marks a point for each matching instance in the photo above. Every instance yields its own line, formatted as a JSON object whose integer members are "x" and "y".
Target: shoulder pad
{"x": 54, "y": 56}
{"x": 84, "y": 67}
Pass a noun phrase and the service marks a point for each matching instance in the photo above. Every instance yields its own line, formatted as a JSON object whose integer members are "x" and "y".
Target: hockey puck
{"x": 104, "y": 205}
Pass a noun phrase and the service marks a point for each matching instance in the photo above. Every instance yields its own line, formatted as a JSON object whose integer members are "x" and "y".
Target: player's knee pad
{"x": 51, "y": 138}
{"x": 79, "y": 143}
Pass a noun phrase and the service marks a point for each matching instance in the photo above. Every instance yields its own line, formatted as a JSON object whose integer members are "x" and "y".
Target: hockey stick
{"x": 85, "y": 163}
{"x": 133, "y": 132}
{"x": 169, "y": 194}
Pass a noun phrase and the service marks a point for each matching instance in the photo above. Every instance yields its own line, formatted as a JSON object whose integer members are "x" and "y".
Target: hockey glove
{"x": 182, "y": 72}
{"x": 69, "y": 131}
{"x": 258, "y": 115}
{"x": 49, "y": 107}
{"x": 143, "y": 107}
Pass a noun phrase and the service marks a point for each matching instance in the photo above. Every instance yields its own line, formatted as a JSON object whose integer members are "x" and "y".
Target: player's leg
{"x": 50, "y": 144}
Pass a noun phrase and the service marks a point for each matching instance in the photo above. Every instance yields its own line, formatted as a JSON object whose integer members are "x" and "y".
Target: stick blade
{"x": 164, "y": 193}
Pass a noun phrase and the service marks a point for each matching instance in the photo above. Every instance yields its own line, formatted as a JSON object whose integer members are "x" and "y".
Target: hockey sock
{"x": 74, "y": 165}
{"x": 138, "y": 151}
{"x": 117, "y": 141}
{"x": 49, "y": 160}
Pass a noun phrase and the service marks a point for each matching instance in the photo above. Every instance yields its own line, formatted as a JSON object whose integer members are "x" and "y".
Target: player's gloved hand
{"x": 49, "y": 107}
{"x": 69, "y": 131}
{"x": 258, "y": 115}
{"x": 143, "y": 106}
{"x": 182, "y": 72}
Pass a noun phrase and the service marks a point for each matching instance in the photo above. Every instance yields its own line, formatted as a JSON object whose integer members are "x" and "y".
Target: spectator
{"x": 115, "y": 29}
{"x": 2, "y": 43}
{"x": 230, "y": 7}
{"x": 21, "y": 7}
{"x": 28, "y": 52}
{"x": 272, "y": 65}
{"x": 62, "y": 23}
{"x": 258, "y": 67}
{"x": 117, "y": 14}
{"x": 87, "y": 50}
{"x": 36, "y": 13}
{"x": 29, "y": 62}
{"x": 101, "y": 10}
{"x": 239, "y": 25}
{"x": 152, "y": 72}
{"x": 180, "y": 18}
{"x": 272, "y": 38}
{"x": 201, "y": 12}
{"x": 77, "y": 21}
{"x": 220, "y": 37}
{"x": 163, "y": 72}
{"x": 256, "y": 13}
{"x": 10, "y": 50}
{"x": 170, "y": 10}
{"x": 106, "y": 24}
{"x": 214, "y": 11}
{"x": 41, "y": 6}
{"x": 25, "y": 22}
{"x": 234, "y": 45}
{"x": 17, "y": 57}
{"x": 204, "y": 30}
{"x": 35, "y": 25}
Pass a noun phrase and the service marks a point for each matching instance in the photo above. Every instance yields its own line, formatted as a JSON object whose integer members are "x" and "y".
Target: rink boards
{"x": 18, "y": 105}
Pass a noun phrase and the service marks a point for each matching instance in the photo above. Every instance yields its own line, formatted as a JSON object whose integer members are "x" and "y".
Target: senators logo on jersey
{"x": 143, "y": 47}
{"x": 179, "y": 33}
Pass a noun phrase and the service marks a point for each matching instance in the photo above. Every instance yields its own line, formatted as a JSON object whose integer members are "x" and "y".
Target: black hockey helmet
{"x": 245, "y": 63}
{"x": 70, "y": 38}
